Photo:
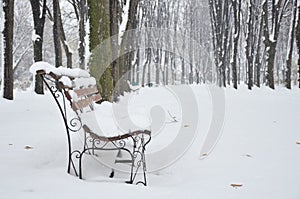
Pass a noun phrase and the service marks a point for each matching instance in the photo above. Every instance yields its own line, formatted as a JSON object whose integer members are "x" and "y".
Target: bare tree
{"x": 298, "y": 43}
{"x": 220, "y": 23}
{"x": 291, "y": 43}
{"x": 272, "y": 15}
{"x": 39, "y": 16}
{"x": 57, "y": 33}
{"x": 8, "y": 8}
{"x": 80, "y": 9}
{"x": 236, "y": 4}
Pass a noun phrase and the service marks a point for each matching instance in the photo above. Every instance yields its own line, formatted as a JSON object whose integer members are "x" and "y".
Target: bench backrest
{"x": 85, "y": 97}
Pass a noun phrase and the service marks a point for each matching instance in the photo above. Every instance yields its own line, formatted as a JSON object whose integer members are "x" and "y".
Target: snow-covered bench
{"x": 76, "y": 88}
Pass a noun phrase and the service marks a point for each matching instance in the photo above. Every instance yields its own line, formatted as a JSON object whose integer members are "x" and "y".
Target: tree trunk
{"x": 290, "y": 52}
{"x": 271, "y": 33}
{"x": 8, "y": 8}
{"x": 236, "y": 14}
{"x": 63, "y": 39}
{"x": 99, "y": 14}
{"x": 257, "y": 64}
{"x": 298, "y": 44}
{"x": 82, "y": 33}
{"x": 39, "y": 22}
{"x": 57, "y": 33}
{"x": 249, "y": 41}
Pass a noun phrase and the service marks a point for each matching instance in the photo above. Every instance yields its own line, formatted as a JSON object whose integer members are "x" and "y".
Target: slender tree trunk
{"x": 257, "y": 64}
{"x": 298, "y": 44}
{"x": 249, "y": 41}
{"x": 57, "y": 33}
{"x": 236, "y": 13}
{"x": 82, "y": 33}
{"x": 290, "y": 52}
{"x": 65, "y": 44}
{"x": 8, "y": 8}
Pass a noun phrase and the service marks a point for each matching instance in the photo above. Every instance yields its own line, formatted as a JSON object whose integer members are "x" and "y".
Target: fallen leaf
{"x": 234, "y": 185}
{"x": 186, "y": 125}
{"x": 297, "y": 142}
{"x": 28, "y": 147}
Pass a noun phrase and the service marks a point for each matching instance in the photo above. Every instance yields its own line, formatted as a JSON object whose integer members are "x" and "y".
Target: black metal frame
{"x": 92, "y": 142}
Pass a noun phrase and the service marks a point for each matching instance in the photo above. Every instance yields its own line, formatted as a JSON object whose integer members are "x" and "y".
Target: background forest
{"x": 228, "y": 43}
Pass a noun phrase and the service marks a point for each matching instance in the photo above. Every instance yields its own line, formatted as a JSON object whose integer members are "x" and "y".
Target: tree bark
{"x": 298, "y": 44}
{"x": 236, "y": 13}
{"x": 57, "y": 33}
{"x": 39, "y": 22}
{"x": 99, "y": 14}
{"x": 82, "y": 33}
{"x": 290, "y": 52}
{"x": 8, "y": 8}
{"x": 271, "y": 32}
{"x": 249, "y": 41}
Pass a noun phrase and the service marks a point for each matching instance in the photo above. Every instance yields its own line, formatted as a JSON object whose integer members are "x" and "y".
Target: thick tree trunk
{"x": 8, "y": 8}
{"x": 99, "y": 14}
{"x": 114, "y": 30}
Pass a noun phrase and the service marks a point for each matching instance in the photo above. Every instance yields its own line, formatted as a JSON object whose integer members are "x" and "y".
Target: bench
{"x": 76, "y": 88}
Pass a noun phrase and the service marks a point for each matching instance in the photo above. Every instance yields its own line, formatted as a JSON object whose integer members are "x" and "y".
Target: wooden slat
{"x": 97, "y": 97}
{"x": 86, "y": 91}
{"x": 77, "y": 105}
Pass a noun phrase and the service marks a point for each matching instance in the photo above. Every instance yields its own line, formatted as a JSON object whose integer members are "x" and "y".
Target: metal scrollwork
{"x": 75, "y": 124}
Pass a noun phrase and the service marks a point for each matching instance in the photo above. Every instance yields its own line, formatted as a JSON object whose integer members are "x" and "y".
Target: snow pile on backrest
{"x": 41, "y": 65}
{"x": 66, "y": 81}
{"x": 60, "y": 71}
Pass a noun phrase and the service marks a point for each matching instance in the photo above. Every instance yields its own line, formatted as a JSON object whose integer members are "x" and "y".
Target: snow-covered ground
{"x": 257, "y": 147}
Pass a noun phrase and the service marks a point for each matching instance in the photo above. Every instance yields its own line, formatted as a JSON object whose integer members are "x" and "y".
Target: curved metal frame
{"x": 54, "y": 92}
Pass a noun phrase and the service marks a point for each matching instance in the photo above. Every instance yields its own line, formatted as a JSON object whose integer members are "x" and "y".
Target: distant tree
{"x": 291, "y": 45}
{"x": 272, "y": 15}
{"x": 236, "y": 4}
{"x": 249, "y": 43}
{"x": 298, "y": 43}
{"x": 220, "y": 23}
{"x": 257, "y": 62}
{"x": 8, "y": 8}
{"x": 57, "y": 33}
{"x": 80, "y": 9}
{"x": 39, "y": 15}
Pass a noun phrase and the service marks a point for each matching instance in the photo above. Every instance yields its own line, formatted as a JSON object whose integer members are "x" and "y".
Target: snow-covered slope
{"x": 257, "y": 147}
